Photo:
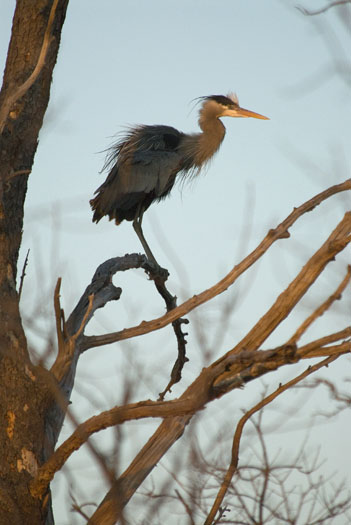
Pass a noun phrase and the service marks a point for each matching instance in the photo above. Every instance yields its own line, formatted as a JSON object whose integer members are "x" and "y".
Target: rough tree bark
{"x": 24, "y": 396}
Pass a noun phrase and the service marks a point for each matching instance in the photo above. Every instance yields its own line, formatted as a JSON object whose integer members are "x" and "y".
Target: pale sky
{"x": 123, "y": 63}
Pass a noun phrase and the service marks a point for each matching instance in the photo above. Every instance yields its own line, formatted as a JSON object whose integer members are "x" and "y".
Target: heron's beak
{"x": 242, "y": 112}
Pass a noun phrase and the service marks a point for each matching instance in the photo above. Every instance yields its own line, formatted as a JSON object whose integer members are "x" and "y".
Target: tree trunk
{"x": 24, "y": 398}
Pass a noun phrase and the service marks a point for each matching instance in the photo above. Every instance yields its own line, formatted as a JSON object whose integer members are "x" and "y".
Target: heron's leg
{"x": 138, "y": 230}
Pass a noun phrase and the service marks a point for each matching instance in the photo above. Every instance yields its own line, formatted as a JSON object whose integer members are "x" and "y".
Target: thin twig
{"x": 23, "y": 274}
{"x": 77, "y": 508}
{"x": 58, "y": 316}
{"x": 159, "y": 276}
{"x": 341, "y": 348}
{"x": 186, "y": 506}
{"x": 75, "y": 336}
{"x": 310, "y": 349}
{"x": 323, "y": 9}
{"x": 322, "y": 308}
{"x": 12, "y": 98}
{"x": 240, "y": 427}
{"x": 16, "y": 173}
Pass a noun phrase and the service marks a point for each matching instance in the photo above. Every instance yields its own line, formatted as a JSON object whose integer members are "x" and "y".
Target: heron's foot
{"x": 155, "y": 271}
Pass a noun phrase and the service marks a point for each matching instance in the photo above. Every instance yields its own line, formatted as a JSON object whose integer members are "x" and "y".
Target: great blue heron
{"x": 145, "y": 163}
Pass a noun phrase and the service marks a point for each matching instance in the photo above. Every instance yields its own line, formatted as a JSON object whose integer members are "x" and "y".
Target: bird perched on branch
{"x": 146, "y": 162}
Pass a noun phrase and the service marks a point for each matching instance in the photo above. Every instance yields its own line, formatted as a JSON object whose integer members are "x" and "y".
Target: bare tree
{"x": 240, "y": 365}
{"x": 34, "y": 399}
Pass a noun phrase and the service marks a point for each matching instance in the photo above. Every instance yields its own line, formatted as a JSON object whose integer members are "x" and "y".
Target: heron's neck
{"x": 213, "y": 132}
{"x": 200, "y": 147}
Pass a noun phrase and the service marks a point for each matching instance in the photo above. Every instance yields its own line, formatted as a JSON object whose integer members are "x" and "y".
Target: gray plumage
{"x": 143, "y": 165}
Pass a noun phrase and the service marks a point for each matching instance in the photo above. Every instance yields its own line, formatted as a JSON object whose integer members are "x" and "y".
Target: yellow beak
{"x": 242, "y": 112}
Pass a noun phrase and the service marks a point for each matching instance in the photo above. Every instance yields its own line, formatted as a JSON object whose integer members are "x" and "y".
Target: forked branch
{"x": 287, "y": 300}
{"x": 280, "y": 232}
{"x": 240, "y": 427}
{"x": 336, "y": 296}
{"x": 237, "y": 367}
{"x": 240, "y": 365}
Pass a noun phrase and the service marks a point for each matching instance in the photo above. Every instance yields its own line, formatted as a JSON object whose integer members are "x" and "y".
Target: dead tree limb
{"x": 240, "y": 427}
{"x": 237, "y": 367}
{"x": 280, "y": 232}
{"x": 227, "y": 373}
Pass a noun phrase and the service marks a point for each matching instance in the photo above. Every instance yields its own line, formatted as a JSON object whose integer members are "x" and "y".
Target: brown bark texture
{"x": 24, "y": 399}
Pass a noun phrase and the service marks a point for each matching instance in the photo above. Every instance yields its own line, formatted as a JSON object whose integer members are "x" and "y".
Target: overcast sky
{"x": 123, "y": 63}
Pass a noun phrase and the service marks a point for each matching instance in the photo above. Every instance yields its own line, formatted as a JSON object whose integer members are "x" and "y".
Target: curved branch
{"x": 336, "y": 296}
{"x": 194, "y": 399}
{"x": 102, "y": 289}
{"x": 12, "y": 98}
{"x": 323, "y": 9}
{"x": 204, "y": 389}
{"x": 172, "y": 428}
{"x": 171, "y": 304}
{"x": 230, "y": 371}
{"x": 240, "y": 427}
{"x": 280, "y": 232}
{"x": 115, "y": 416}
{"x": 97, "y": 294}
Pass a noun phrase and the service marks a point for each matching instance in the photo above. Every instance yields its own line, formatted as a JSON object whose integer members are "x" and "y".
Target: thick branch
{"x": 281, "y": 231}
{"x": 97, "y": 294}
{"x": 195, "y": 397}
{"x": 287, "y": 300}
{"x": 227, "y": 373}
{"x": 249, "y": 366}
{"x": 115, "y": 416}
{"x": 193, "y": 400}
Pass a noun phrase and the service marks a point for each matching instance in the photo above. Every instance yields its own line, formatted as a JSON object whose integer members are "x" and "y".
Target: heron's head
{"x": 228, "y": 106}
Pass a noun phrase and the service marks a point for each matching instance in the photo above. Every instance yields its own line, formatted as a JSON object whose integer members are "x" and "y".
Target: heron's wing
{"x": 150, "y": 171}
{"x": 138, "y": 179}
{"x": 151, "y": 160}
